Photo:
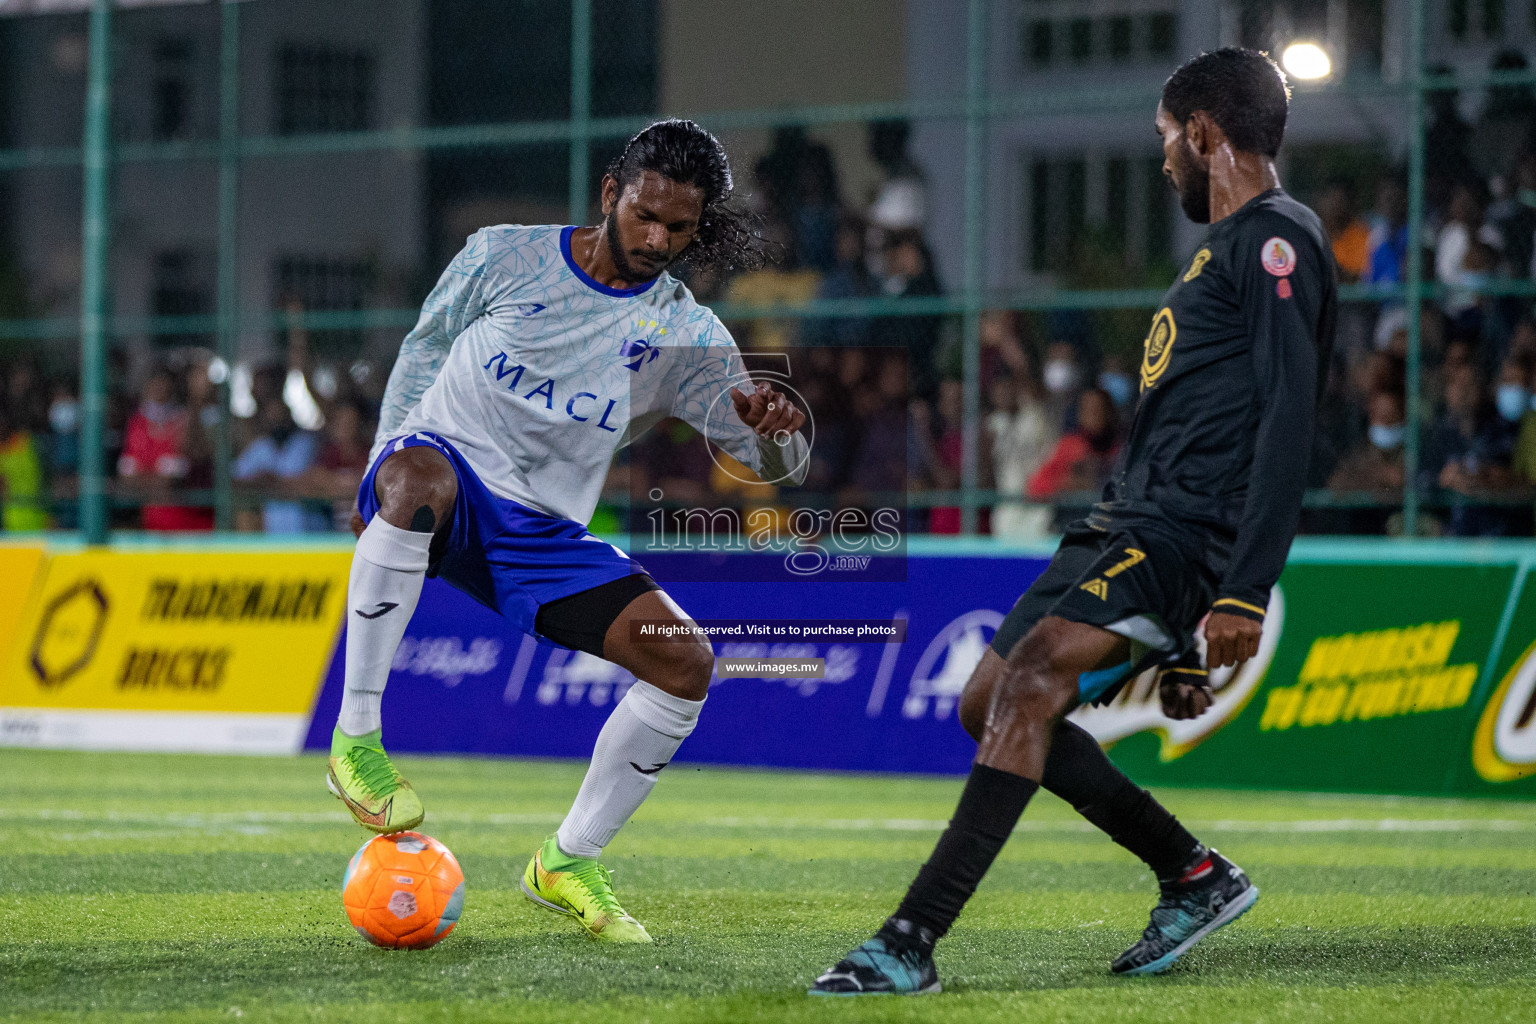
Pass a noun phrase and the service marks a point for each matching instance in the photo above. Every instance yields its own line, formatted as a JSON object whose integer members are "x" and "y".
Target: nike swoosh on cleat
{"x": 384, "y": 608}
{"x": 358, "y": 811}
{"x": 652, "y": 770}
{"x": 832, "y": 976}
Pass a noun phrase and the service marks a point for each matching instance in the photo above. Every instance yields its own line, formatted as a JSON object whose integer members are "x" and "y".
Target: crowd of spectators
{"x": 885, "y": 390}
{"x": 300, "y": 437}
{"x": 1476, "y": 427}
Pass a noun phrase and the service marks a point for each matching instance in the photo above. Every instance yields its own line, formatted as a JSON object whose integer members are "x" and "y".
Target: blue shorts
{"x": 509, "y": 557}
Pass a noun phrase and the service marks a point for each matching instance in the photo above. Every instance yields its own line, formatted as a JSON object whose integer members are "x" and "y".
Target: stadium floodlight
{"x": 1306, "y": 61}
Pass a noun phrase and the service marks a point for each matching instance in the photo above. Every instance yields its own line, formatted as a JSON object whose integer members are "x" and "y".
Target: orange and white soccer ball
{"x": 404, "y": 891}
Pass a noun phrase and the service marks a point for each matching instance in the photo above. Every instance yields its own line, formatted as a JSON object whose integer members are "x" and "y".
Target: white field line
{"x": 194, "y": 819}
{"x": 1226, "y": 825}
{"x": 236, "y": 819}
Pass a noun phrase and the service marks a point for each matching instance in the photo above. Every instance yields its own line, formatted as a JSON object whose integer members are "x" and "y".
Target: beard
{"x": 1195, "y": 192}
{"x": 627, "y": 270}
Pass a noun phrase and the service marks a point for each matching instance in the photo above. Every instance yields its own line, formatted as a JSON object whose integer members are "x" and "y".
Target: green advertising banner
{"x": 1501, "y": 731}
{"x": 1399, "y": 676}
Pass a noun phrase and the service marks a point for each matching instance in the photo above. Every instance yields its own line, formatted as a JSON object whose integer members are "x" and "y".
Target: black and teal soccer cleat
{"x": 1188, "y": 913}
{"x": 882, "y": 967}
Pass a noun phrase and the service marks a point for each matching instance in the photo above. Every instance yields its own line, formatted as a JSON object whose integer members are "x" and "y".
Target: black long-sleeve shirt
{"x": 1231, "y": 373}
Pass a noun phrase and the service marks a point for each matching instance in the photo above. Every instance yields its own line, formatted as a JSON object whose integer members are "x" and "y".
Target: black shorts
{"x": 580, "y": 621}
{"x": 1151, "y": 582}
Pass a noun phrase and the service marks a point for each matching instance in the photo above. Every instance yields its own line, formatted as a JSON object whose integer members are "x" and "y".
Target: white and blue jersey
{"x": 528, "y": 375}
{"x": 548, "y": 372}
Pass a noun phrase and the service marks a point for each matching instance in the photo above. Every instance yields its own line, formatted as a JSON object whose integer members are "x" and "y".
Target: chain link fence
{"x": 217, "y": 220}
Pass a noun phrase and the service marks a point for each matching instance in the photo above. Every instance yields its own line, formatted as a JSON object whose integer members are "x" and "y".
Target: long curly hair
{"x": 681, "y": 151}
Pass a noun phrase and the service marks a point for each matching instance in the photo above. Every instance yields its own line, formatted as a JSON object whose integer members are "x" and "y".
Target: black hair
{"x": 1244, "y": 91}
{"x": 681, "y": 151}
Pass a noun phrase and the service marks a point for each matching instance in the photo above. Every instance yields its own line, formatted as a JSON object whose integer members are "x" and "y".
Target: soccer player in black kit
{"x": 1195, "y": 524}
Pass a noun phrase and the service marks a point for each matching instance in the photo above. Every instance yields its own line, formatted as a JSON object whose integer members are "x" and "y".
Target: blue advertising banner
{"x": 465, "y": 682}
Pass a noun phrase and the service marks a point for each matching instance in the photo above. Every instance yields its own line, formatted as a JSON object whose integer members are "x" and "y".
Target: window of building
{"x": 181, "y": 284}
{"x": 1084, "y": 210}
{"x": 1162, "y": 34}
{"x": 1120, "y": 37}
{"x": 1058, "y": 211}
{"x": 1117, "y": 196}
{"x": 1493, "y": 19}
{"x": 1080, "y": 39}
{"x": 320, "y": 284}
{"x": 1119, "y": 31}
{"x": 1037, "y": 43}
{"x": 171, "y": 89}
{"x": 1158, "y": 227}
{"x": 322, "y": 89}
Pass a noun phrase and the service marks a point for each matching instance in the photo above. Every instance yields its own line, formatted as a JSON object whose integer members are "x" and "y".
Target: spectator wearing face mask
{"x": 1084, "y": 458}
{"x": 1470, "y": 446}
{"x": 908, "y": 273}
{"x": 1376, "y": 464}
{"x": 1118, "y": 384}
{"x": 1062, "y": 375}
{"x": 60, "y": 445}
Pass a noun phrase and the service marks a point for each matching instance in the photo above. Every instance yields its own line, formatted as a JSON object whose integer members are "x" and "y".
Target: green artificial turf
{"x": 139, "y": 887}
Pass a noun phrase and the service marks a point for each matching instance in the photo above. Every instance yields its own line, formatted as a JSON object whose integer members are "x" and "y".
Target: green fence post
{"x": 94, "y": 300}
{"x": 1415, "y": 270}
{"x": 581, "y": 107}
{"x": 228, "y": 300}
{"x": 970, "y": 334}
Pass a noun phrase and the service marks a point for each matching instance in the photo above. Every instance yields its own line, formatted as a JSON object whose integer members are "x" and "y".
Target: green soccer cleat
{"x": 583, "y": 889}
{"x": 362, "y": 777}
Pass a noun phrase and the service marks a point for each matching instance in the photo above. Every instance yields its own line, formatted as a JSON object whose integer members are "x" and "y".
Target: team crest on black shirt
{"x": 1158, "y": 347}
{"x": 1197, "y": 264}
{"x": 1278, "y": 257}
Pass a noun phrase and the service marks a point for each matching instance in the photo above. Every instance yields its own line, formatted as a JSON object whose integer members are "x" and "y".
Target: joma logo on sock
{"x": 383, "y": 608}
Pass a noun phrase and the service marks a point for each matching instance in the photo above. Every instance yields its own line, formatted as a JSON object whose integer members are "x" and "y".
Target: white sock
{"x": 637, "y": 741}
{"x": 388, "y": 570}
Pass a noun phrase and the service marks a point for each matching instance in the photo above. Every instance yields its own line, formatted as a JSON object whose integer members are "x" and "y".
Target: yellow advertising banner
{"x": 208, "y": 631}
{"x": 18, "y": 569}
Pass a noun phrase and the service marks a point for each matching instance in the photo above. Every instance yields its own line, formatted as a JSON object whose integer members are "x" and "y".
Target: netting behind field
{"x": 976, "y": 185}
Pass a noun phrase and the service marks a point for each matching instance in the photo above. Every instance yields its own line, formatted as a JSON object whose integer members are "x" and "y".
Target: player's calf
{"x": 1035, "y": 689}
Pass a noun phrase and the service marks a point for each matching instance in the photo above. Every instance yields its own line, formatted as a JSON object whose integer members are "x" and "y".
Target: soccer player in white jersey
{"x": 542, "y": 351}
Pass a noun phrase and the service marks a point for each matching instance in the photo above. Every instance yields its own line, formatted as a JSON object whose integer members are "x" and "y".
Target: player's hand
{"x": 1184, "y": 696}
{"x": 766, "y": 411}
{"x": 1230, "y": 639}
{"x": 357, "y": 523}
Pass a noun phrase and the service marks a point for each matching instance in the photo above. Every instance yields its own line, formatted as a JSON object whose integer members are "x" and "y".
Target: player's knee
{"x": 412, "y": 480}
{"x": 973, "y": 712}
{"x": 977, "y": 695}
{"x": 693, "y": 671}
{"x": 1036, "y": 684}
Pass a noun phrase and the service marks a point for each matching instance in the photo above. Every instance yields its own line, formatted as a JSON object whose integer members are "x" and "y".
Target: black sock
{"x": 899, "y": 933}
{"x": 1195, "y": 873}
{"x": 989, "y": 809}
{"x": 1078, "y": 771}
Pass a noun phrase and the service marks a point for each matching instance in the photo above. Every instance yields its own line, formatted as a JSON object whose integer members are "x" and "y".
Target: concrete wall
{"x": 724, "y": 55}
